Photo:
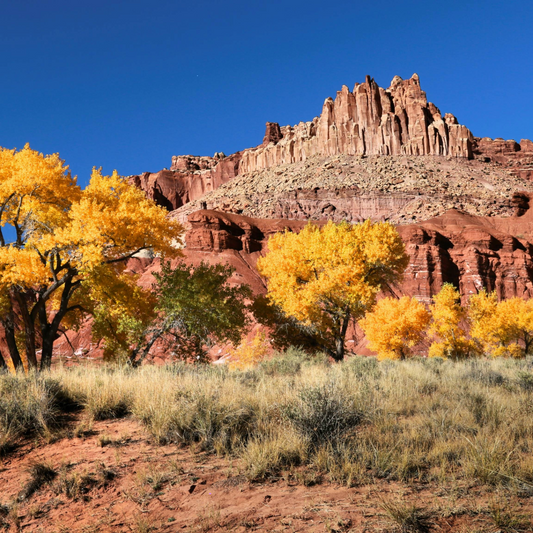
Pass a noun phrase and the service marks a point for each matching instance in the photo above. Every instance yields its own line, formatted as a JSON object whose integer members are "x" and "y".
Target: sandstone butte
{"x": 461, "y": 202}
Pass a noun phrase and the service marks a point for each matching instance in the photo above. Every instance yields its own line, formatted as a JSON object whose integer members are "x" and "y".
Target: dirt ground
{"x": 110, "y": 477}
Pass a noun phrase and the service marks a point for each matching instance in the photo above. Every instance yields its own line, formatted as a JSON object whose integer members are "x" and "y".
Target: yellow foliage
{"x": 448, "y": 325}
{"x": 36, "y": 191}
{"x": 249, "y": 353}
{"x": 324, "y": 276}
{"x": 68, "y": 239}
{"x": 113, "y": 219}
{"x": 394, "y": 326}
{"x": 501, "y": 328}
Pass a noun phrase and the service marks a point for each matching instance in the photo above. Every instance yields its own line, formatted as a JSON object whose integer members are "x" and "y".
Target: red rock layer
{"x": 470, "y": 252}
{"x": 517, "y": 157}
{"x": 188, "y": 179}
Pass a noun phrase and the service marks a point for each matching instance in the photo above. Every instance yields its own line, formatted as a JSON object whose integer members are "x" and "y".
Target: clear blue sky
{"x": 126, "y": 84}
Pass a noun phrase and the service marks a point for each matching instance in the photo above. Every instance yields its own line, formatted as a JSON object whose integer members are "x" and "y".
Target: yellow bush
{"x": 250, "y": 352}
{"x": 395, "y": 326}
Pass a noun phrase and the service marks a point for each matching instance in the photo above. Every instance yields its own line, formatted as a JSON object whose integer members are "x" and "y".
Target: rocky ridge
{"x": 369, "y": 120}
{"x": 360, "y": 158}
{"x": 402, "y": 189}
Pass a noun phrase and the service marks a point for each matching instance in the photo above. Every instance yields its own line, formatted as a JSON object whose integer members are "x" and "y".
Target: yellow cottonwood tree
{"x": 327, "y": 276}
{"x": 448, "y": 325}
{"x": 65, "y": 239}
{"x": 501, "y": 328}
{"x": 394, "y": 326}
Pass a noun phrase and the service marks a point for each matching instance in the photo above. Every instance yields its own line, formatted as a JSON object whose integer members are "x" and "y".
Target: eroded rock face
{"x": 188, "y": 179}
{"x": 516, "y": 157}
{"x": 369, "y": 120}
{"x": 402, "y": 189}
{"x": 470, "y": 252}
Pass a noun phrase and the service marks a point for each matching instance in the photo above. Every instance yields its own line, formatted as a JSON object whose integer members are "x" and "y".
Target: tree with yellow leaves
{"x": 328, "y": 276}
{"x": 501, "y": 328}
{"x": 394, "y": 326}
{"x": 70, "y": 246}
{"x": 448, "y": 325}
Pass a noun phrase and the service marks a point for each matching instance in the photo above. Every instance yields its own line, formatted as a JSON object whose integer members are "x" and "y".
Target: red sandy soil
{"x": 202, "y": 492}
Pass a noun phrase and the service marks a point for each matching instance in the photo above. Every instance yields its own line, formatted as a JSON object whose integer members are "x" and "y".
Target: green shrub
{"x": 323, "y": 413}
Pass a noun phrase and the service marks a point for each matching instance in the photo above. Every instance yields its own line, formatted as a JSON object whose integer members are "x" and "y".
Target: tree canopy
{"x": 394, "y": 326}
{"x": 196, "y": 306}
{"x": 327, "y": 276}
{"x": 501, "y": 328}
{"x": 70, "y": 246}
{"x": 449, "y": 325}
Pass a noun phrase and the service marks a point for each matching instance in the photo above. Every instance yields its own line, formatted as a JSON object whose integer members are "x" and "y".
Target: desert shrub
{"x": 198, "y": 409}
{"x": 266, "y": 455}
{"x": 489, "y": 460}
{"x": 288, "y": 362}
{"x": 525, "y": 380}
{"x": 363, "y": 367}
{"x": 342, "y": 462}
{"x": 73, "y": 485}
{"x": 406, "y": 517}
{"x": 481, "y": 372}
{"x": 323, "y": 413}
{"x": 104, "y": 393}
{"x": 28, "y": 406}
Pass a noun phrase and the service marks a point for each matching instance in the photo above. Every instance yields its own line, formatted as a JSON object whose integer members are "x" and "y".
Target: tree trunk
{"x": 49, "y": 329}
{"x": 339, "y": 349}
{"x": 9, "y": 328}
{"x": 527, "y": 343}
{"x": 48, "y": 348}
{"x": 29, "y": 330}
{"x": 339, "y": 341}
{"x": 3, "y": 365}
{"x": 136, "y": 359}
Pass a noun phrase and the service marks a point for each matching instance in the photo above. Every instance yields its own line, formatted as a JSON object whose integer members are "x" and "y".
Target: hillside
{"x": 402, "y": 189}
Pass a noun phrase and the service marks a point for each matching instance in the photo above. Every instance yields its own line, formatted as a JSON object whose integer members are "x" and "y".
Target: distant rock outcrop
{"x": 188, "y": 179}
{"x": 368, "y": 121}
{"x": 516, "y": 157}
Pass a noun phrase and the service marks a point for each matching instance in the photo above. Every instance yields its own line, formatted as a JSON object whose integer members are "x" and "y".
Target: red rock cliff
{"x": 369, "y": 120}
{"x": 470, "y": 252}
{"x": 188, "y": 179}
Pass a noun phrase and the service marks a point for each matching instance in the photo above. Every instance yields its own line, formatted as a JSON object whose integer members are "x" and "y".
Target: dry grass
{"x": 427, "y": 420}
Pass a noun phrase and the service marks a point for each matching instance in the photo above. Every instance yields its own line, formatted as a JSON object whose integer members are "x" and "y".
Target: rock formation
{"x": 517, "y": 157}
{"x": 188, "y": 179}
{"x": 368, "y": 121}
{"x": 470, "y": 252}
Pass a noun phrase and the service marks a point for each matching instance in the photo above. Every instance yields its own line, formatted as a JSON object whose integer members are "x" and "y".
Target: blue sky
{"x": 126, "y": 84}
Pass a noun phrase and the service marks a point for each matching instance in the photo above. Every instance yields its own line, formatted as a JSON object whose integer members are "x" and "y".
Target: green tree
{"x": 196, "y": 307}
